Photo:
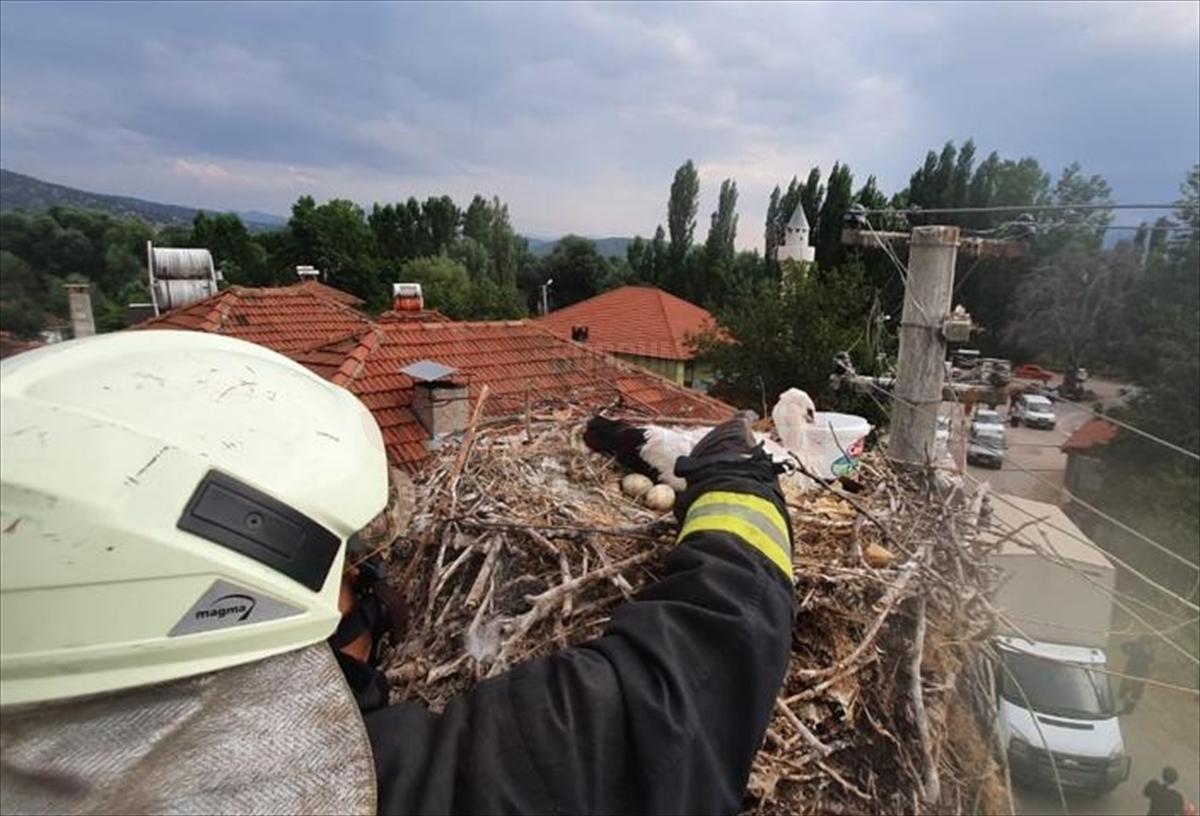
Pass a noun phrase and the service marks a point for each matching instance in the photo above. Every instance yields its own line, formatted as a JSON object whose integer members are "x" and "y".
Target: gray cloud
{"x": 577, "y": 114}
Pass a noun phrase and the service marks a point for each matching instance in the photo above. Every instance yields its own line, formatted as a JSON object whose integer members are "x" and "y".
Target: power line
{"x": 1094, "y": 510}
{"x": 899, "y": 266}
{"x": 1122, "y": 525}
{"x": 1083, "y": 540}
{"x": 1063, "y": 562}
{"x": 1048, "y": 226}
{"x": 1020, "y": 208}
{"x": 1133, "y": 429}
{"x": 903, "y": 270}
{"x": 966, "y": 275}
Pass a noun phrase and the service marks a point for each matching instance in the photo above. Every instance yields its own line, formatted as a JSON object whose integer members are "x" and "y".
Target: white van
{"x": 1055, "y": 701}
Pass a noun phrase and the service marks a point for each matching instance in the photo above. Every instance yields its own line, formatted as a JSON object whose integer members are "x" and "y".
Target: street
{"x": 1164, "y": 730}
{"x": 1033, "y": 464}
{"x": 1165, "y": 727}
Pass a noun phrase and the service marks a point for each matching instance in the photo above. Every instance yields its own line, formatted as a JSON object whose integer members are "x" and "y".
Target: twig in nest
{"x": 850, "y": 499}
{"x": 931, "y": 786}
{"x": 889, "y": 600}
{"x": 650, "y": 532}
{"x": 808, "y": 736}
{"x": 544, "y": 603}
{"x": 464, "y": 448}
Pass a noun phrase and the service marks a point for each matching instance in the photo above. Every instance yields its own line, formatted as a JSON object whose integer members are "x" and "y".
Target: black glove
{"x": 728, "y": 458}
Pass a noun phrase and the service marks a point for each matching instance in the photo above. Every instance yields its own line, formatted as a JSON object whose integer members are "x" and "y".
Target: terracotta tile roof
{"x": 1090, "y": 434}
{"x": 287, "y": 319}
{"x": 513, "y": 358}
{"x": 10, "y": 344}
{"x": 314, "y": 287}
{"x": 404, "y": 316}
{"x": 639, "y": 320}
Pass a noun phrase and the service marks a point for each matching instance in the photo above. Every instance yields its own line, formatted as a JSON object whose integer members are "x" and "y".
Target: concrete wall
{"x": 1084, "y": 477}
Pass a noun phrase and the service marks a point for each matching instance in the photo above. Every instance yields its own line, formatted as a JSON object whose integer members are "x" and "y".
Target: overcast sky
{"x": 577, "y": 114}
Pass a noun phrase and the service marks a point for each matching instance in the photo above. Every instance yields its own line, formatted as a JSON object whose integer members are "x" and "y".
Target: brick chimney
{"x": 407, "y": 297}
{"x": 79, "y": 302}
{"x": 439, "y": 398}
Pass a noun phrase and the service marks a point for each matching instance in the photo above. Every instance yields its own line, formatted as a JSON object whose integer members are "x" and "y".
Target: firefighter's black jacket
{"x": 662, "y": 714}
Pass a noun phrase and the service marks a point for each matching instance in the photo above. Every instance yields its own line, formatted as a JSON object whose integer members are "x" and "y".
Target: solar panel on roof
{"x": 427, "y": 371}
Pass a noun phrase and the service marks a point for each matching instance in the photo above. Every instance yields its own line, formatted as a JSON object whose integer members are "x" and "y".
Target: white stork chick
{"x": 653, "y": 450}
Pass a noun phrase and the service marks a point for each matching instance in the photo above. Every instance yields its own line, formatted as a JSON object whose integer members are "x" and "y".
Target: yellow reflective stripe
{"x": 745, "y": 514}
{"x": 744, "y": 530}
{"x": 748, "y": 501}
{"x": 755, "y": 521}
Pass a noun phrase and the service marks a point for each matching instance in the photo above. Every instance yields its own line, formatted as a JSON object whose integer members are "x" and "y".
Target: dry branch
{"x": 523, "y": 544}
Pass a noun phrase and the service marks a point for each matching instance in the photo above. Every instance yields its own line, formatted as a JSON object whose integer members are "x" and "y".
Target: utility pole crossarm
{"x": 967, "y": 245}
{"x": 967, "y": 393}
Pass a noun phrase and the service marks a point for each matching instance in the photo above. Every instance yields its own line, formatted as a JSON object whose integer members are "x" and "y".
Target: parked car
{"x": 994, "y": 371}
{"x": 1034, "y": 411}
{"x": 964, "y": 358}
{"x": 986, "y": 443}
{"x": 1033, "y": 372}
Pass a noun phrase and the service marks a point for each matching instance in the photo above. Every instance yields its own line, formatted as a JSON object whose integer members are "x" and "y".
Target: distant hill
{"x": 607, "y": 247}
{"x": 21, "y": 192}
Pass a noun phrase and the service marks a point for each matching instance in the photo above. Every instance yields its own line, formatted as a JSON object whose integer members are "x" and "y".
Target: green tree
{"x": 719, "y": 248}
{"x": 487, "y": 223}
{"x": 240, "y": 258}
{"x": 1058, "y": 307}
{"x": 445, "y": 284}
{"x": 660, "y": 252}
{"x": 22, "y": 316}
{"x": 681, "y": 222}
{"x": 1166, "y": 320}
{"x": 839, "y": 195}
{"x": 473, "y": 256}
{"x": 20, "y": 311}
{"x": 477, "y": 220}
{"x": 786, "y": 338}
{"x": 336, "y": 238}
{"x": 640, "y": 260}
{"x": 1150, "y": 487}
{"x": 811, "y": 194}
{"x": 577, "y": 269}
{"x": 401, "y": 231}
{"x": 440, "y": 216}
{"x": 773, "y": 228}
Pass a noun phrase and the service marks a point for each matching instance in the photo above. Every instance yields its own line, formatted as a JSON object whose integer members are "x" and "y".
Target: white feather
{"x": 793, "y": 416}
{"x": 664, "y": 446}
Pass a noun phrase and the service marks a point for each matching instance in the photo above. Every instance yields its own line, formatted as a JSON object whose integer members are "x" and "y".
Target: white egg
{"x": 660, "y": 497}
{"x": 635, "y": 485}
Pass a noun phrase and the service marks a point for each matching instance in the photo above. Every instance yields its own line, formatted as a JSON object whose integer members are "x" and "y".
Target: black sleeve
{"x": 662, "y": 714}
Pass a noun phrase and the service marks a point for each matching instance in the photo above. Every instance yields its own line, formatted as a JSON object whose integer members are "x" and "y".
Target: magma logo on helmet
{"x": 224, "y": 605}
{"x": 234, "y": 604}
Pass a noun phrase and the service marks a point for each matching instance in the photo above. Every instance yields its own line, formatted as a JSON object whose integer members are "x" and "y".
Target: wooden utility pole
{"x": 920, "y": 383}
{"x": 920, "y": 368}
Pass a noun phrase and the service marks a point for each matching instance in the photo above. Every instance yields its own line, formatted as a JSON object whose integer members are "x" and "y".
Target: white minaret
{"x": 795, "y": 246}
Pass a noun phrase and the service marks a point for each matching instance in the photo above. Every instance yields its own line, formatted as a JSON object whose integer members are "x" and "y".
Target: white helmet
{"x": 171, "y": 503}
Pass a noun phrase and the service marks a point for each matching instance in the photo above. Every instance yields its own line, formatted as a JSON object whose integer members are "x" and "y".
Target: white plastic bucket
{"x": 834, "y": 433}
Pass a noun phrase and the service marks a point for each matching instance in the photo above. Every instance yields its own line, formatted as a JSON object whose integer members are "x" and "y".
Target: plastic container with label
{"x": 838, "y": 440}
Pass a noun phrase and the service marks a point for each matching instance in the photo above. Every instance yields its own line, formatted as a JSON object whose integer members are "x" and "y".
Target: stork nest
{"x": 523, "y": 544}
